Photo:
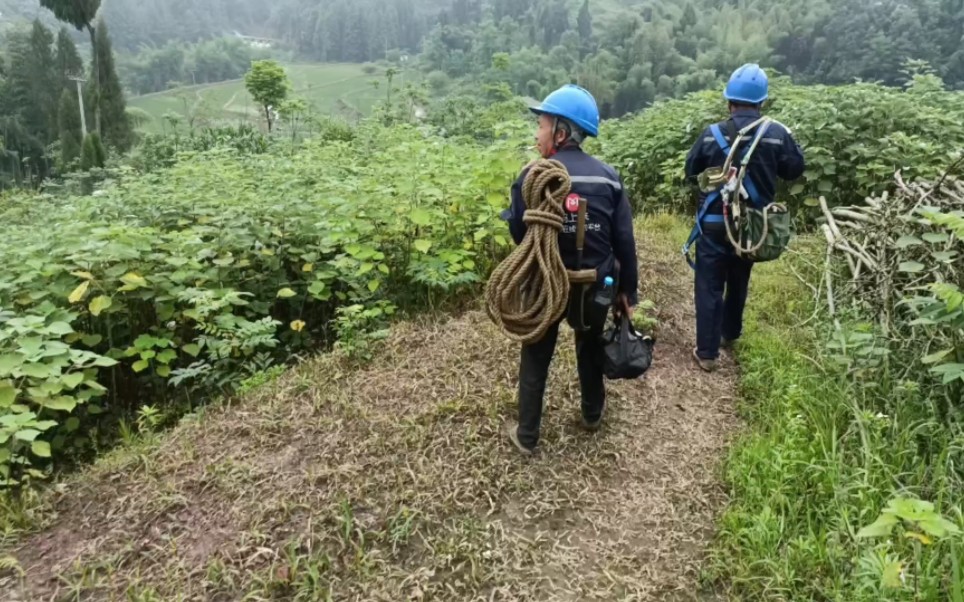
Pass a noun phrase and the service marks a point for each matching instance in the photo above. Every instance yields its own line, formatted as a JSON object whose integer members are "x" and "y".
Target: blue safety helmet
{"x": 748, "y": 84}
{"x": 573, "y": 104}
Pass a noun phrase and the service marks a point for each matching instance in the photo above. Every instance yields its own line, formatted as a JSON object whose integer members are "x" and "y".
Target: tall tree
{"x": 68, "y": 59}
{"x": 585, "y": 23}
{"x": 31, "y": 83}
{"x": 268, "y": 84}
{"x": 109, "y": 95}
{"x": 70, "y": 134}
{"x": 81, "y": 14}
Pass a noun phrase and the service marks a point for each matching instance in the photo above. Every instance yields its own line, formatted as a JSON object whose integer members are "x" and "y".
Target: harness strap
{"x": 748, "y": 184}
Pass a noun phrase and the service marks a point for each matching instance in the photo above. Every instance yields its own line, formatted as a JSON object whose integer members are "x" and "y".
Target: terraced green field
{"x": 331, "y": 89}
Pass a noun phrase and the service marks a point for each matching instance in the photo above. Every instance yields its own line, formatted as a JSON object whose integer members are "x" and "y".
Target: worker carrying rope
{"x": 576, "y": 259}
{"x": 736, "y": 164}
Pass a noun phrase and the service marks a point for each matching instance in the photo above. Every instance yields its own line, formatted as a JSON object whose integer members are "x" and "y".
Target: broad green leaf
{"x": 910, "y": 508}
{"x": 163, "y": 371}
{"x": 140, "y": 365}
{"x": 105, "y": 362}
{"x": 72, "y": 424}
{"x": 286, "y": 293}
{"x": 191, "y": 349}
{"x": 936, "y": 237}
{"x": 167, "y": 356}
{"x": 40, "y": 449}
{"x": 61, "y": 404}
{"x": 36, "y": 370}
{"x": 882, "y": 527}
{"x": 365, "y": 268}
{"x": 9, "y": 363}
{"x": 911, "y": 267}
{"x": 423, "y": 245}
{"x": 797, "y": 189}
{"x": 78, "y": 294}
{"x": 938, "y": 526}
{"x": 99, "y": 304}
{"x": 497, "y": 199}
{"x": 84, "y": 275}
{"x": 373, "y": 285}
{"x": 825, "y": 186}
{"x": 421, "y": 217}
{"x": 72, "y": 381}
{"x": 60, "y": 329}
{"x": 8, "y": 394}
{"x": 945, "y": 256}
{"x": 92, "y": 340}
{"x": 27, "y": 435}
{"x": 936, "y": 357}
{"x": 908, "y": 241}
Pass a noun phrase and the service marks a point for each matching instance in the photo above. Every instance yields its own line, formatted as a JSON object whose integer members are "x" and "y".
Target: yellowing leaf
{"x": 286, "y": 293}
{"x": 298, "y": 326}
{"x": 79, "y": 293}
{"x": 919, "y": 537}
{"x": 308, "y": 267}
{"x": 423, "y": 245}
{"x": 133, "y": 280}
{"x": 99, "y": 304}
{"x": 84, "y": 275}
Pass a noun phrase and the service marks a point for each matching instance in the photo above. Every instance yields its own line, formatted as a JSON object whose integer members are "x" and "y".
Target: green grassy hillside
{"x": 329, "y": 88}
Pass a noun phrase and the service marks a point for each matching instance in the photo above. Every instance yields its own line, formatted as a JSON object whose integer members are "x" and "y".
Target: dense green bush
{"x": 854, "y": 138}
{"x": 179, "y": 280}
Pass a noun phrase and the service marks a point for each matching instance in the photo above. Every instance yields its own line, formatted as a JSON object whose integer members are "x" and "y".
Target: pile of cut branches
{"x": 897, "y": 245}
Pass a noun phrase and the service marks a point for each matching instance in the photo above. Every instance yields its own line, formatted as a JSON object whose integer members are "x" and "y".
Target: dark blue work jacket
{"x": 609, "y": 220}
{"x": 777, "y": 155}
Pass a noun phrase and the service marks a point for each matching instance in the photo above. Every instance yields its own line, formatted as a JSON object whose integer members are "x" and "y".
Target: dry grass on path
{"x": 394, "y": 482}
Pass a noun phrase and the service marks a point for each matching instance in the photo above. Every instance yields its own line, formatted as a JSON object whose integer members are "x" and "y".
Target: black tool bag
{"x": 628, "y": 354}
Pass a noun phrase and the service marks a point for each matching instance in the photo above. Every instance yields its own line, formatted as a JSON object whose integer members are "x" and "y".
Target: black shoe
{"x": 512, "y": 430}
{"x": 593, "y": 425}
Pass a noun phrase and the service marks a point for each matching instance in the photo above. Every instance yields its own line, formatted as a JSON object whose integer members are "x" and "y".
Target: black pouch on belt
{"x": 589, "y": 305}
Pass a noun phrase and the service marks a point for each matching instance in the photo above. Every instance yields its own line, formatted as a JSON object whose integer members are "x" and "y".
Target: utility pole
{"x": 80, "y": 96}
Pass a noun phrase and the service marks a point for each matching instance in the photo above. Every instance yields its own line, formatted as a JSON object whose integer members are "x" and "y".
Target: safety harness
{"x": 731, "y": 185}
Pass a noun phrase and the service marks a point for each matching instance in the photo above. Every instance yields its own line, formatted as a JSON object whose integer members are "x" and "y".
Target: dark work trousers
{"x": 722, "y": 285}
{"x": 534, "y": 371}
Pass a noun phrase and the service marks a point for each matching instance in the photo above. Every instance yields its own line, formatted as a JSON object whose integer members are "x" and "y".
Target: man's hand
{"x": 623, "y": 308}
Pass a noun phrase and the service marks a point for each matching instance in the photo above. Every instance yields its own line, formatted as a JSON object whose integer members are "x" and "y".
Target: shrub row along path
{"x": 394, "y": 481}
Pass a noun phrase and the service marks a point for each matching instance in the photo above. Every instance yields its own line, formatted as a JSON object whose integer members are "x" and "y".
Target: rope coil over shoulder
{"x": 529, "y": 291}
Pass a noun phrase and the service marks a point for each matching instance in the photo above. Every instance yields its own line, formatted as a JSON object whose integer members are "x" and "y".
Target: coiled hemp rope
{"x": 529, "y": 291}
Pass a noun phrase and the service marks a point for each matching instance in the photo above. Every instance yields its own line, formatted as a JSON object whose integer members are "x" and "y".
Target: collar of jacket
{"x": 568, "y": 146}
{"x": 750, "y": 113}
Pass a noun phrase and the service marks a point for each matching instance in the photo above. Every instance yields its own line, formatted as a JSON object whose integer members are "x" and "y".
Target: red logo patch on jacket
{"x": 572, "y": 203}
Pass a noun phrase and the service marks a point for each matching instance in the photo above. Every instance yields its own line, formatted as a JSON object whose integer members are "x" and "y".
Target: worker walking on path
{"x": 597, "y": 238}
{"x": 768, "y": 151}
